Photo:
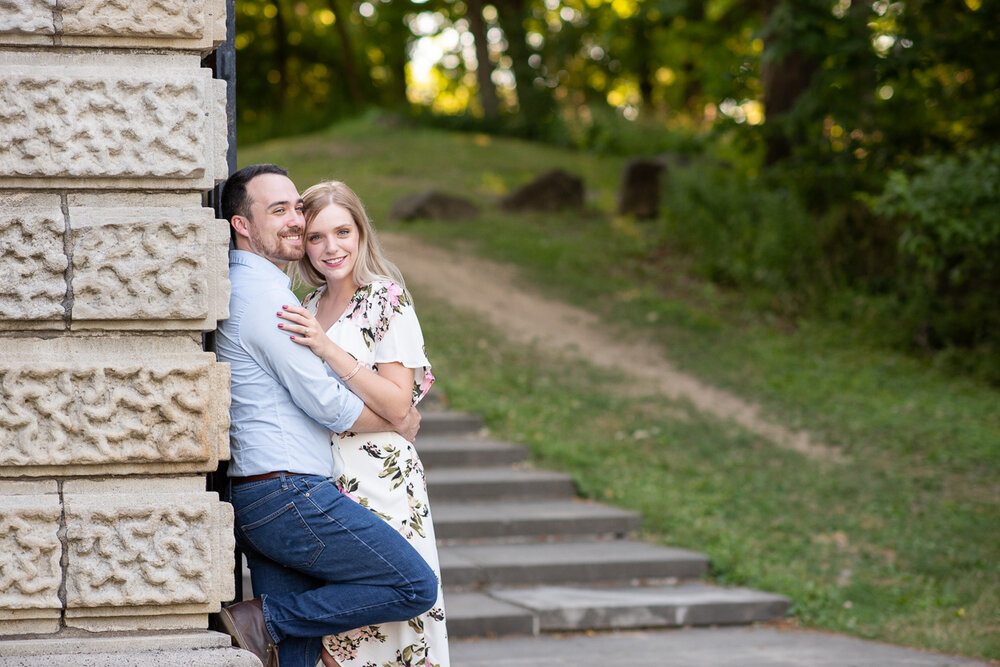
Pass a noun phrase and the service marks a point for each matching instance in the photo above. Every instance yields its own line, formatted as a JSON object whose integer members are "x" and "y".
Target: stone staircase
{"x": 521, "y": 554}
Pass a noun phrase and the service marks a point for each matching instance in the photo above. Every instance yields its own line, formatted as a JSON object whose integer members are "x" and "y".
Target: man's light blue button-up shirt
{"x": 285, "y": 400}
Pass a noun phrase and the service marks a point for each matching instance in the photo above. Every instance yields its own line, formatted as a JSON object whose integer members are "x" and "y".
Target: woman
{"x": 362, "y": 323}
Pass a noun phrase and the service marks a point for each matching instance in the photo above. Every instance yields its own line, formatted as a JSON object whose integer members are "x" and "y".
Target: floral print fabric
{"x": 369, "y": 314}
{"x": 383, "y": 472}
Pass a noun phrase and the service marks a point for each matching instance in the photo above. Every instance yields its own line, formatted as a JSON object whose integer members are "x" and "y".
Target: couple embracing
{"x": 328, "y": 492}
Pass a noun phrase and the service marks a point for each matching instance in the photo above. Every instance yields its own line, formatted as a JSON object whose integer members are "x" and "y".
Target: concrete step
{"x": 443, "y": 422}
{"x": 478, "y": 615}
{"x": 481, "y": 484}
{"x": 696, "y": 647}
{"x": 509, "y": 520}
{"x": 554, "y": 563}
{"x": 467, "y": 452}
{"x": 689, "y": 604}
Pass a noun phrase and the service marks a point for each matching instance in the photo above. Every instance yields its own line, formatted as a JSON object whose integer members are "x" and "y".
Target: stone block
{"x": 27, "y": 22}
{"x": 140, "y": 261}
{"x": 111, "y": 405}
{"x": 28, "y": 621}
{"x": 110, "y": 120}
{"x": 148, "y": 268}
{"x": 30, "y": 551}
{"x": 152, "y": 649}
{"x": 197, "y": 25}
{"x": 146, "y": 554}
{"x": 80, "y": 646}
{"x": 32, "y": 260}
{"x": 127, "y": 657}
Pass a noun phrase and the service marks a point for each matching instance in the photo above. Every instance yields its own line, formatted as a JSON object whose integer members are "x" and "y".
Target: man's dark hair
{"x": 235, "y": 200}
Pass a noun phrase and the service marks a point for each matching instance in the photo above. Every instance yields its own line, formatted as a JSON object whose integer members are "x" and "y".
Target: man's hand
{"x": 410, "y": 425}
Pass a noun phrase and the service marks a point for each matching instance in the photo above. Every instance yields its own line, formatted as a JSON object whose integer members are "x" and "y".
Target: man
{"x": 319, "y": 562}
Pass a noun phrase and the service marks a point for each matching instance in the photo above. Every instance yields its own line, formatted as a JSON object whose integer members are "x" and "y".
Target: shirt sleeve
{"x": 303, "y": 374}
{"x": 403, "y": 343}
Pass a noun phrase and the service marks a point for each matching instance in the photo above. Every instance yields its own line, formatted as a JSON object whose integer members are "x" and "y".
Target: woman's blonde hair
{"x": 370, "y": 264}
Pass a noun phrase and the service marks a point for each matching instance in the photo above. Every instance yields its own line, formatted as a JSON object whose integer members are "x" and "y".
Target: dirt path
{"x": 488, "y": 289}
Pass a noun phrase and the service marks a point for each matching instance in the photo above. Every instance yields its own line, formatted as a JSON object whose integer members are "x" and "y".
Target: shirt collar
{"x": 258, "y": 263}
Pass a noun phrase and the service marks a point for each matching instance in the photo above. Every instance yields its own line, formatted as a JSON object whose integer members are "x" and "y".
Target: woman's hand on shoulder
{"x": 305, "y": 329}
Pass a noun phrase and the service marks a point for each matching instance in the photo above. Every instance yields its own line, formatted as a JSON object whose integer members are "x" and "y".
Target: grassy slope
{"x": 901, "y": 543}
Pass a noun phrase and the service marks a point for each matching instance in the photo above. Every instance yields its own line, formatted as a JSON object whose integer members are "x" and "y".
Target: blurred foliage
{"x": 740, "y": 231}
{"x": 949, "y": 246}
{"x": 809, "y": 104}
{"x": 850, "y": 87}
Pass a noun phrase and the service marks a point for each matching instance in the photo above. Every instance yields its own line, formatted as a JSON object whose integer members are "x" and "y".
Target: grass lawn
{"x": 900, "y": 543}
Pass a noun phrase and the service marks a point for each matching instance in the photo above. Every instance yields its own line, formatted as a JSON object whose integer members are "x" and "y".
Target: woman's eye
{"x": 312, "y": 238}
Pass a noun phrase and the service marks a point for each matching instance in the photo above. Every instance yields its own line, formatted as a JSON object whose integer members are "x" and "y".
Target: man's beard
{"x": 274, "y": 249}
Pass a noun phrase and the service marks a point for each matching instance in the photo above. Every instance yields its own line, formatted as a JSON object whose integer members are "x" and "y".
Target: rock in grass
{"x": 552, "y": 191}
{"x": 640, "y": 193}
{"x": 432, "y": 205}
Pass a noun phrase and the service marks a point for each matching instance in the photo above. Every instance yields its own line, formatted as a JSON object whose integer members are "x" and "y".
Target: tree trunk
{"x": 484, "y": 69}
{"x": 646, "y": 60}
{"x": 392, "y": 35}
{"x": 535, "y": 105}
{"x": 784, "y": 81}
{"x": 351, "y": 76}
{"x": 281, "y": 54}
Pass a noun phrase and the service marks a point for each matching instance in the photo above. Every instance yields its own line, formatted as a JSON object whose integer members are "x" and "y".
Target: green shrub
{"x": 742, "y": 231}
{"x": 949, "y": 248}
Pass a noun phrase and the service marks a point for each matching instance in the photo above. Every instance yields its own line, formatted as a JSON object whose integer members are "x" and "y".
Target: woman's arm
{"x": 388, "y": 393}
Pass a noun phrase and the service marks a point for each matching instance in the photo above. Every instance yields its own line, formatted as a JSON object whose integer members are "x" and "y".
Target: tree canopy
{"x": 871, "y": 82}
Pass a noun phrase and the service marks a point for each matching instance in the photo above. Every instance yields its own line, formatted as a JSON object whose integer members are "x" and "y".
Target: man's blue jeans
{"x": 324, "y": 564}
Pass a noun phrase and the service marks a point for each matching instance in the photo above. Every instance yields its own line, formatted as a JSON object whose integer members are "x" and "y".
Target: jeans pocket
{"x": 284, "y": 537}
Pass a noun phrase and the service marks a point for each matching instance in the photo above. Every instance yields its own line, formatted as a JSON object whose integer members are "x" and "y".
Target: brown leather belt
{"x": 259, "y": 478}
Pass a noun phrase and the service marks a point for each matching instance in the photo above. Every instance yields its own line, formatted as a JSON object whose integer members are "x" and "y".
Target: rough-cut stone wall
{"x": 111, "y": 268}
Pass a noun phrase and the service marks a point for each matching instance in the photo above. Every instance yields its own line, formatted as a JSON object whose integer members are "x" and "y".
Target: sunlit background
{"x": 566, "y": 69}
{"x": 828, "y": 105}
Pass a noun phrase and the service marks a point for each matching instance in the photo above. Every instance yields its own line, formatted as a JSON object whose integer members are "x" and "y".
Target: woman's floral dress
{"x": 383, "y": 472}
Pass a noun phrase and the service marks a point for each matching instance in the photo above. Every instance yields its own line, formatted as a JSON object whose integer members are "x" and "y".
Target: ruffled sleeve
{"x": 403, "y": 342}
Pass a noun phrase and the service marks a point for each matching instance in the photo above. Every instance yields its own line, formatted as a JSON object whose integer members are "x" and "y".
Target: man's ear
{"x": 240, "y": 225}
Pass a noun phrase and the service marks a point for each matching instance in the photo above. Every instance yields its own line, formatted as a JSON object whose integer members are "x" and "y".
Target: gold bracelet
{"x": 357, "y": 368}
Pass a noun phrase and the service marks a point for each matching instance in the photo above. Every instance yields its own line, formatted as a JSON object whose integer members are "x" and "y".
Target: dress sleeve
{"x": 403, "y": 343}
{"x": 309, "y": 302}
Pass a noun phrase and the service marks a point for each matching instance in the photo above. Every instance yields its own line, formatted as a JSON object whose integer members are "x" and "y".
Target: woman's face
{"x": 332, "y": 243}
